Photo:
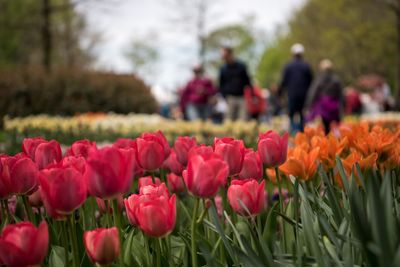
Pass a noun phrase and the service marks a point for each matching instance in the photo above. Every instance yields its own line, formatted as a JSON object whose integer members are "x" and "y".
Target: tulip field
{"x": 305, "y": 200}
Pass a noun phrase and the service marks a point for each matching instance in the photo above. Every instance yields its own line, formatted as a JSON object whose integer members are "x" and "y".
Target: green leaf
{"x": 57, "y": 257}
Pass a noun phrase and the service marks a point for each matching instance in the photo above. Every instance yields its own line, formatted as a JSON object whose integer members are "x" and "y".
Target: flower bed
{"x": 103, "y": 127}
{"x": 319, "y": 201}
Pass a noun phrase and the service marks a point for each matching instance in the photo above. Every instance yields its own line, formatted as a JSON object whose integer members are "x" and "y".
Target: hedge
{"x": 68, "y": 92}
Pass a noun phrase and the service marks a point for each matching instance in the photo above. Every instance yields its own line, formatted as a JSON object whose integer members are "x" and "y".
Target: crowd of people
{"x": 308, "y": 97}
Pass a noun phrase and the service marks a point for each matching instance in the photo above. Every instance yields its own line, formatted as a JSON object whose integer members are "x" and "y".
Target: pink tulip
{"x": 35, "y": 200}
{"x": 205, "y": 175}
{"x": 252, "y": 166}
{"x": 79, "y": 163}
{"x": 152, "y": 150}
{"x": 102, "y": 245}
{"x": 182, "y": 146}
{"x": 23, "y": 244}
{"x": 247, "y": 197}
{"x": 148, "y": 180}
{"x": 232, "y": 151}
{"x": 175, "y": 183}
{"x": 109, "y": 171}
{"x": 80, "y": 148}
{"x": 63, "y": 190}
{"x": 42, "y": 152}
{"x": 152, "y": 210}
{"x": 273, "y": 148}
{"x": 18, "y": 175}
{"x": 127, "y": 143}
{"x": 172, "y": 164}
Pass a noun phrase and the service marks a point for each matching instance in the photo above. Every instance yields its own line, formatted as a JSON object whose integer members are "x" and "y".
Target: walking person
{"x": 297, "y": 78}
{"x": 326, "y": 98}
{"x": 197, "y": 94}
{"x": 233, "y": 79}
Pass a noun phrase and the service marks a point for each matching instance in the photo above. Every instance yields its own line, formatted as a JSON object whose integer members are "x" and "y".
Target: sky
{"x": 124, "y": 20}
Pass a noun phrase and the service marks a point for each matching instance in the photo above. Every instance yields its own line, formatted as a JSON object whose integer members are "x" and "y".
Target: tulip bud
{"x": 232, "y": 151}
{"x": 80, "y": 148}
{"x": 182, "y": 146}
{"x": 246, "y": 197}
{"x": 42, "y": 152}
{"x": 172, "y": 164}
{"x": 23, "y": 244}
{"x": 205, "y": 175}
{"x": 273, "y": 148}
{"x": 102, "y": 245}
{"x": 109, "y": 171}
{"x": 252, "y": 166}
{"x": 152, "y": 150}
{"x": 175, "y": 183}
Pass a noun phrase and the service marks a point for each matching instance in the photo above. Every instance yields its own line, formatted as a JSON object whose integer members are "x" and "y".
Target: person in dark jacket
{"x": 297, "y": 78}
{"x": 233, "y": 79}
{"x": 325, "y": 97}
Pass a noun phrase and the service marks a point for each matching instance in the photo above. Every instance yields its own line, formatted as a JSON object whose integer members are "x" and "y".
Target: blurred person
{"x": 352, "y": 101}
{"x": 197, "y": 94}
{"x": 274, "y": 103}
{"x": 233, "y": 79}
{"x": 325, "y": 96}
{"x": 296, "y": 79}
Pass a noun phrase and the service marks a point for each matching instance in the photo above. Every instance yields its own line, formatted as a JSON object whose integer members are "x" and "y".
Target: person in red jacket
{"x": 197, "y": 94}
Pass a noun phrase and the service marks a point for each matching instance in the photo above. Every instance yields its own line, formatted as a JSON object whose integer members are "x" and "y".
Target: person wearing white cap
{"x": 296, "y": 79}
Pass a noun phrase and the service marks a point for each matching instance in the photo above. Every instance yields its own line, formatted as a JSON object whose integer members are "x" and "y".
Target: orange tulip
{"x": 301, "y": 164}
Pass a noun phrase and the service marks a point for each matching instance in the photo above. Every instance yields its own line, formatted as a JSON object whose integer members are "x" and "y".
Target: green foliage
{"x": 359, "y": 36}
{"x": 21, "y": 26}
{"x": 25, "y": 92}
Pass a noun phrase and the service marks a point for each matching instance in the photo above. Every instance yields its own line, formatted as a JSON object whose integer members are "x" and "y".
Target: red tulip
{"x": 18, "y": 175}
{"x": 130, "y": 143}
{"x": 153, "y": 211}
{"x": 201, "y": 150}
{"x": 80, "y": 148}
{"x": 63, "y": 189}
{"x": 205, "y": 175}
{"x": 172, "y": 164}
{"x": 131, "y": 203}
{"x": 101, "y": 203}
{"x": 23, "y": 244}
{"x": 252, "y": 166}
{"x": 246, "y": 197}
{"x": 42, "y": 152}
{"x": 152, "y": 150}
{"x": 109, "y": 171}
{"x": 102, "y": 245}
{"x": 79, "y": 163}
{"x": 175, "y": 183}
{"x": 35, "y": 200}
{"x": 232, "y": 151}
{"x": 273, "y": 148}
{"x": 148, "y": 180}
{"x": 182, "y": 146}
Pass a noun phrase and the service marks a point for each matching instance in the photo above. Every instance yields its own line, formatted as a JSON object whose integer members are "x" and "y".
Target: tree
{"x": 357, "y": 35}
{"x": 143, "y": 55}
{"x": 243, "y": 37}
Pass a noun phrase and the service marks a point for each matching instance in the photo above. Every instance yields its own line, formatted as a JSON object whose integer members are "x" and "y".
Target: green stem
{"x": 278, "y": 179}
{"x": 117, "y": 219}
{"x": 193, "y": 232}
{"x": 153, "y": 178}
{"x": 158, "y": 252}
{"x": 296, "y": 210}
{"x": 74, "y": 241}
{"x": 28, "y": 209}
{"x": 64, "y": 241}
{"x": 3, "y": 215}
{"x": 146, "y": 244}
{"x": 108, "y": 219}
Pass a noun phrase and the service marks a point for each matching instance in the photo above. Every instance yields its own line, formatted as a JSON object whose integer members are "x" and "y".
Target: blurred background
{"x": 65, "y": 57}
